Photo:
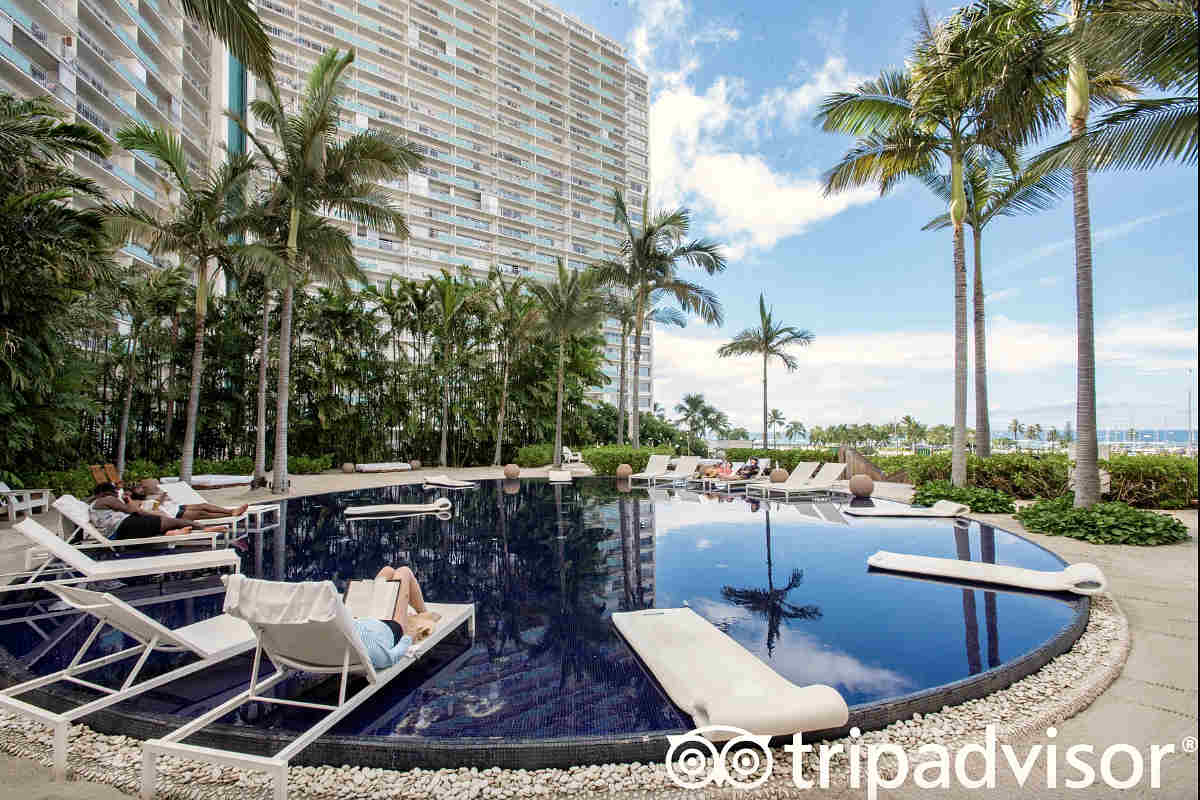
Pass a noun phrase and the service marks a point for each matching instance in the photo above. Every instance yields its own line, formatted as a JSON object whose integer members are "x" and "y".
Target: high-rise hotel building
{"x": 528, "y": 119}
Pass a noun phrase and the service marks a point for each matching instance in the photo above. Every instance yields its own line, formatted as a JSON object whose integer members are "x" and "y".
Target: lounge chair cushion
{"x": 719, "y": 682}
{"x": 1082, "y": 578}
{"x": 384, "y": 466}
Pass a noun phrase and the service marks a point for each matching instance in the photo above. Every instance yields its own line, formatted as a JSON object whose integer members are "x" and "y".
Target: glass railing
{"x": 136, "y": 182}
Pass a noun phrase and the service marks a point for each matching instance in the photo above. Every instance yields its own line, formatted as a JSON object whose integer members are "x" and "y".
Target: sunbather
{"x": 387, "y": 640}
{"x": 148, "y": 491}
{"x": 750, "y": 470}
{"x": 118, "y": 519}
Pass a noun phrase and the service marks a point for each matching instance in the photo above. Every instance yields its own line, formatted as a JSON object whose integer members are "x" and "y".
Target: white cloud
{"x": 699, "y": 153}
{"x": 861, "y": 376}
{"x": 1001, "y": 294}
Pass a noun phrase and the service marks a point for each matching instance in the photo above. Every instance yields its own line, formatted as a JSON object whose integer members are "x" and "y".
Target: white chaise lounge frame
{"x": 354, "y": 660}
{"x": 656, "y": 467}
{"x": 70, "y": 507}
{"x": 212, "y": 640}
{"x": 185, "y": 494}
{"x": 684, "y": 468}
{"x": 820, "y": 483}
{"x": 75, "y": 560}
{"x": 729, "y": 485}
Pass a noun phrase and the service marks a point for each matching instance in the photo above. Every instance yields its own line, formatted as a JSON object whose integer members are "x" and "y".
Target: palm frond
{"x": 880, "y": 104}
{"x": 235, "y": 23}
{"x": 1139, "y": 134}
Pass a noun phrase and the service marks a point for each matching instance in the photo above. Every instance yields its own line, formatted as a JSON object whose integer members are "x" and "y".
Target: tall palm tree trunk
{"x": 958, "y": 454}
{"x": 279, "y": 480}
{"x": 983, "y": 430}
{"x": 260, "y": 439}
{"x": 558, "y": 405}
{"x": 962, "y": 544}
{"x": 443, "y": 451}
{"x": 193, "y": 405}
{"x": 126, "y": 405}
{"x": 766, "y": 444}
{"x": 635, "y": 416}
{"x": 1087, "y": 474}
{"x": 500, "y": 416}
{"x": 622, "y": 406}
{"x": 169, "y": 427}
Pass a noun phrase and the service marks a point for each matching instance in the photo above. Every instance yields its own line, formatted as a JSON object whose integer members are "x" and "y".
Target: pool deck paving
{"x": 1152, "y": 702}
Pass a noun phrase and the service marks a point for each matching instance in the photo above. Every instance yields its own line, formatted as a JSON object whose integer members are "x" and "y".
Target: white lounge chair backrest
{"x": 64, "y": 552}
{"x": 304, "y": 625}
{"x": 686, "y": 465}
{"x": 120, "y": 615}
{"x": 657, "y": 464}
{"x": 79, "y": 513}
{"x": 827, "y": 474}
{"x": 182, "y": 493}
{"x": 802, "y": 473}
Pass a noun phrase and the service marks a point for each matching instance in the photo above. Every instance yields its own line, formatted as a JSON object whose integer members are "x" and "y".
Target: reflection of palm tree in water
{"x": 987, "y": 552}
{"x": 633, "y": 594}
{"x": 770, "y": 602}
{"x": 962, "y": 543}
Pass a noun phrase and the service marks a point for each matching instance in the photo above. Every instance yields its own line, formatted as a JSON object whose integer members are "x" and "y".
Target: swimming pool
{"x": 548, "y": 680}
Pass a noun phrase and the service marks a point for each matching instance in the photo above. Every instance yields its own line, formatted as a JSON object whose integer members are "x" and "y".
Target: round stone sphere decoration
{"x": 347, "y": 467}
{"x": 624, "y": 471}
{"x": 512, "y": 471}
{"x": 779, "y": 475}
{"x": 861, "y": 485}
{"x": 415, "y": 464}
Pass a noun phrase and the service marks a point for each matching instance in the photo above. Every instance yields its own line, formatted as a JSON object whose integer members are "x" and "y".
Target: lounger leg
{"x": 281, "y": 779}
{"x": 149, "y": 770}
{"x": 61, "y": 729}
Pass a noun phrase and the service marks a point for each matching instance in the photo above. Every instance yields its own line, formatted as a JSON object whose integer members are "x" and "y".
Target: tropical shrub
{"x": 535, "y": 455}
{"x": 1022, "y": 475}
{"x": 301, "y": 465}
{"x": 1103, "y": 523}
{"x": 605, "y": 460}
{"x": 979, "y": 500}
{"x": 788, "y": 459}
{"x": 1152, "y": 481}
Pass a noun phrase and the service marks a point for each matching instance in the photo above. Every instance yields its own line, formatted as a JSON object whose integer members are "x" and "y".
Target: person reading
{"x": 387, "y": 640}
{"x": 153, "y": 498}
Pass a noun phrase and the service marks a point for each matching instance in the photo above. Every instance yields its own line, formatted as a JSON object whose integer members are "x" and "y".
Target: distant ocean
{"x": 1179, "y": 435}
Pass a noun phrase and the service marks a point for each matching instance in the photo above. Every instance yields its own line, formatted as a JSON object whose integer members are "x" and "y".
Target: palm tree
{"x": 775, "y": 419}
{"x": 201, "y": 229}
{"x": 691, "y": 410}
{"x": 314, "y": 171}
{"x": 623, "y": 308}
{"x": 652, "y": 256}
{"x": 1021, "y": 44}
{"x": 1035, "y": 431}
{"x": 515, "y": 319}
{"x": 236, "y": 23}
{"x": 771, "y": 602}
{"x": 455, "y": 300}
{"x": 769, "y": 340}
{"x": 572, "y": 304}
{"x": 992, "y": 189}
{"x": 795, "y": 430}
{"x": 1016, "y": 428}
{"x": 908, "y": 124}
{"x": 144, "y": 295}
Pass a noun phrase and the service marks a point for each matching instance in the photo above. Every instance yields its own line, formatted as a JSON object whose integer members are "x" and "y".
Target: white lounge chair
{"x": 212, "y": 640}
{"x": 210, "y": 481}
{"x": 559, "y": 476}
{"x": 800, "y": 476}
{"x": 1081, "y": 578}
{"x": 300, "y": 627}
{"x": 78, "y": 514}
{"x": 384, "y": 466}
{"x": 73, "y": 559}
{"x": 716, "y": 482}
{"x": 184, "y": 495}
{"x": 446, "y": 482}
{"x": 15, "y": 501}
{"x": 656, "y": 467}
{"x": 685, "y": 466}
{"x": 821, "y": 483}
{"x": 570, "y": 456}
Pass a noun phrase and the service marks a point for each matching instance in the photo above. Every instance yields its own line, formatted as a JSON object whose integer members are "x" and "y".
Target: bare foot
{"x": 237, "y": 512}
{"x": 216, "y": 529}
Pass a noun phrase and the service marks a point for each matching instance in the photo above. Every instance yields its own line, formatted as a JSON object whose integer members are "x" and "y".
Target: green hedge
{"x": 604, "y": 460}
{"x": 535, "y": 455}
{"x": 78, "y": 481}
{"x": 1103, "y": 523}
{"x": 1152, "y": 481}
{"x": 788, "y": 459}
{"x": 979, "y": 500}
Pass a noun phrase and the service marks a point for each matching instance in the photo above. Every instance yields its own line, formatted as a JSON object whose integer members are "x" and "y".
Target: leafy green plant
{"x": 605, "y": 460}
{"x": 303, "y": 465}
{"x": 979, "y": 500}
{"x": 788, "y": 459}
{"x": 1152, "y": 481}
{"x": 1102, "y": 523}
{"x": 535, "y": 455}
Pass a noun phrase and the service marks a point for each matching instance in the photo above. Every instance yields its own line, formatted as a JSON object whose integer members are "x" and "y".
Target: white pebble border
{"x": 1059, "y": 690}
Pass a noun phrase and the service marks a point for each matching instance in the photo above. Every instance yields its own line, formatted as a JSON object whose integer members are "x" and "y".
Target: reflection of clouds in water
{"x": 800, "y": 656}
{"x": 721, "y": 566}
{"x": 703, "y": 544}
{"x": 483, "y": 706}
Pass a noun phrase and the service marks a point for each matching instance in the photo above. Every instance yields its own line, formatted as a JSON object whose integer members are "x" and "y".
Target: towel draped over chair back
{"x": 302, "y": 625}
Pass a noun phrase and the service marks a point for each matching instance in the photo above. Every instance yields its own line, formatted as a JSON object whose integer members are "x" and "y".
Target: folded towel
{"x": 441, "y": 504}
{"x": 448, "y": 482}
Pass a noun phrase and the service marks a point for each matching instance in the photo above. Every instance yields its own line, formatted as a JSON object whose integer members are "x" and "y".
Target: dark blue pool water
{"x": 547, "y": 566}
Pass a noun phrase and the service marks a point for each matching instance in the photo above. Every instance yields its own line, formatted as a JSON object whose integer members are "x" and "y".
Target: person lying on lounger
{"x": 118, "y": 519}
{"x": 387, "y": 640}
{"x": 153, "y": 498}
{"x": 750, "y": 470}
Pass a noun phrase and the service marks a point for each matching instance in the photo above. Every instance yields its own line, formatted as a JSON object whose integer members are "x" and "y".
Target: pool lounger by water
{"x": 441, "y": 504}
{"x": 719, "y": 682}
{"x": 1079, "y": 578}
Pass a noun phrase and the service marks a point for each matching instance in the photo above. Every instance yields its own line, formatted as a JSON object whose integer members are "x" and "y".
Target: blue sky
{"x": 734, "y": 90}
